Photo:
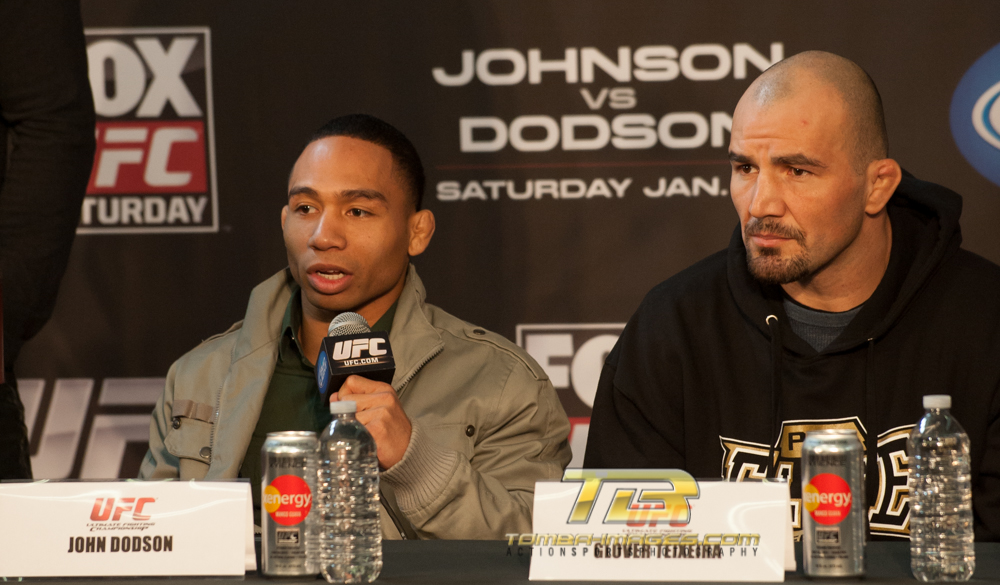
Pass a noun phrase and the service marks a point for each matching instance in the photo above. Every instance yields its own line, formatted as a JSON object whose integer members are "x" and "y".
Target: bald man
{"x": 843, "y": 298}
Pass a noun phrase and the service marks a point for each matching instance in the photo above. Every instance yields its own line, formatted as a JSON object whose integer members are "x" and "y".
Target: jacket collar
{"x": 265, "y": 312}
{"x": 413, "y": 339}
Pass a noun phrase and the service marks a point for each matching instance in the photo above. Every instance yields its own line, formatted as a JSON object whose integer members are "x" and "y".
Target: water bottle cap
{"x": 343, "y": 407}
{"x": 937, "y": 401}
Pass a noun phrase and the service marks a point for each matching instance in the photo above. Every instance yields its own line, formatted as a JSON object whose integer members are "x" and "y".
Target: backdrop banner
{"x": 576, "y": 156}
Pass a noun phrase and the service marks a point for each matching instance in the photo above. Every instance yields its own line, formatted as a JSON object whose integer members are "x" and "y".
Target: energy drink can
{"x": 833, "y": 498}
{"x": 288, "y": 484}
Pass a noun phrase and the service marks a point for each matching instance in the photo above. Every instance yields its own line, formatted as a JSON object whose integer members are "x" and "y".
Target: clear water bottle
{"x": 350, "y": 532}
{"x": 941, "y": 531}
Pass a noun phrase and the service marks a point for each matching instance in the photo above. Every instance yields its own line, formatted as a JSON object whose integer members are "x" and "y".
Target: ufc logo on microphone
{"x": 356, "y": 348}
{"x": 154, "y": 169}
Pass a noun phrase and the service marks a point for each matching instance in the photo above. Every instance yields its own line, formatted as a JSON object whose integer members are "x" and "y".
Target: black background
{"x": 131, "y": 304}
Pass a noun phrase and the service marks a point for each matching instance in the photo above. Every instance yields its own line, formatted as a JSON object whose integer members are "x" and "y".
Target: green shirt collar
{"x": 384, "y": 324}
{"x": 292, "y": 321}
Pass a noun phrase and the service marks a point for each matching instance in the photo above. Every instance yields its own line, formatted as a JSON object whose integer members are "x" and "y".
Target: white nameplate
{"x": 657, "y": 525}
{"x": 128, "y": 528}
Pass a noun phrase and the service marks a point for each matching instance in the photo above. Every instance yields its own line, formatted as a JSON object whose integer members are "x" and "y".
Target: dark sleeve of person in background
{"x": 46, "y": 153}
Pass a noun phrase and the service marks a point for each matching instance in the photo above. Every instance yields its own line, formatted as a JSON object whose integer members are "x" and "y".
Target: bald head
{"x": 859, "y": 96}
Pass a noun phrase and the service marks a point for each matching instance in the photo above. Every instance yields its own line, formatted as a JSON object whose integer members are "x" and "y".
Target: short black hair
{"x": 371, "y": 129}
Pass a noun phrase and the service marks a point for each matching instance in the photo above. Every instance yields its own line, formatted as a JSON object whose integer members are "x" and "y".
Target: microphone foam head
{"x": 348, "y": 323}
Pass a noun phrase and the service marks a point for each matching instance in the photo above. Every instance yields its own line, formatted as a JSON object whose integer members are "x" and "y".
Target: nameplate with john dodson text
{"x": 657, "y": 525}
{"x": 126, "y": 528}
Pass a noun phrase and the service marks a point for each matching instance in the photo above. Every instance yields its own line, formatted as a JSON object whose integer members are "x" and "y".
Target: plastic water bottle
{"x": 941, "y": 532}
{"x": 350, "y": 532}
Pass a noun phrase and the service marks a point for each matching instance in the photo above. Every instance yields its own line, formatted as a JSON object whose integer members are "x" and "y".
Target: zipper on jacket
{"x": 405, "y": 381}
{"x": 211, "y": 433}
{"x": 392, "y": 515}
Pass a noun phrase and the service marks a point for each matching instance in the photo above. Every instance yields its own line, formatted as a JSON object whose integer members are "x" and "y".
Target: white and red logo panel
{"x": 154, "y": 169}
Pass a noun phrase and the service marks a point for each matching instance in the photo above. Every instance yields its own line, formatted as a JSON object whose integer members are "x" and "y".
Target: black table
{"x": 469, "y": 561}
{"x": 427, "y": 562}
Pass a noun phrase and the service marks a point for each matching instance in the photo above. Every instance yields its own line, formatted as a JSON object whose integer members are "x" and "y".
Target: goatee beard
{"x": 766, "y": 264}
{"x": 769, "y": 267}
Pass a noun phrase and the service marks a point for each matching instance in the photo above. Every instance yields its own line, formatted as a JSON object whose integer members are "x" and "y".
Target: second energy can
{"x": 834, "y": 505}
{"x": 287, "y": 515}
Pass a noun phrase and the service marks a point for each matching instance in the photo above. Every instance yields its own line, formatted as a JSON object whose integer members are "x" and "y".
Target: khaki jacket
{"x": 486, "y": 420}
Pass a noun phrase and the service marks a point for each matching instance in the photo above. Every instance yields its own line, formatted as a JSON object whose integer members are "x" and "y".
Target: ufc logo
{"x": 106, "y": 508}
{"x": 150, "y": 157}
{"x": 88, "y": 429}
{"x": 352, "y": 348}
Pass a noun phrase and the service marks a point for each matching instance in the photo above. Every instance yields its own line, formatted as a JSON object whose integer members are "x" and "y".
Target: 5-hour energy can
{"x": 833, "y": 498}
{"x": 288, "y": 483}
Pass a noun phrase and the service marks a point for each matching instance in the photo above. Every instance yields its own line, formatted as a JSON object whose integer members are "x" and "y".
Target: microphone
{"x": 352, "y": 348}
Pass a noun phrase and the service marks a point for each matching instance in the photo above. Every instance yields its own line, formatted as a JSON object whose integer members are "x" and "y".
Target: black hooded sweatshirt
{"x": 702, "y": 380}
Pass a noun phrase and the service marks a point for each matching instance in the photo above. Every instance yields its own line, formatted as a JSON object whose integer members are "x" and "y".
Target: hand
{"x": 382, "y": 414}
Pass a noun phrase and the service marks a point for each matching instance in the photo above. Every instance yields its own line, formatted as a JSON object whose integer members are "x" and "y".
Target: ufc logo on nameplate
{"x": 103, "y": 506}
{"x": 126, "y": 529}
{"x": 656, "y": 525}
{"x": 154, "y": 169}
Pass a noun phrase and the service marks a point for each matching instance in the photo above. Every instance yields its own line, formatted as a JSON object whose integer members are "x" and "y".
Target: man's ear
{"x": 421, "y": 226}
{"x": 882, "y": 177}
{"x": 284, "y": 216}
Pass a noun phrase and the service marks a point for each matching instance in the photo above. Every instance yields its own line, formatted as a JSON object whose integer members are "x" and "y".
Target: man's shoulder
{"x": 218, "y": 345}
{"x": 700, "y": 285}
{"x": 480, "y": 344}
{"x": 971, "y": 278}
{"x": 200, "y": 371}
{"x": 974, "y": 267}
{"x": 218, "y": 352}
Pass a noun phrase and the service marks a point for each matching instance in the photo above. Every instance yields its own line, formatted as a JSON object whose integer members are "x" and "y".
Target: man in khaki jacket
{"x": 470, "y": 421}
